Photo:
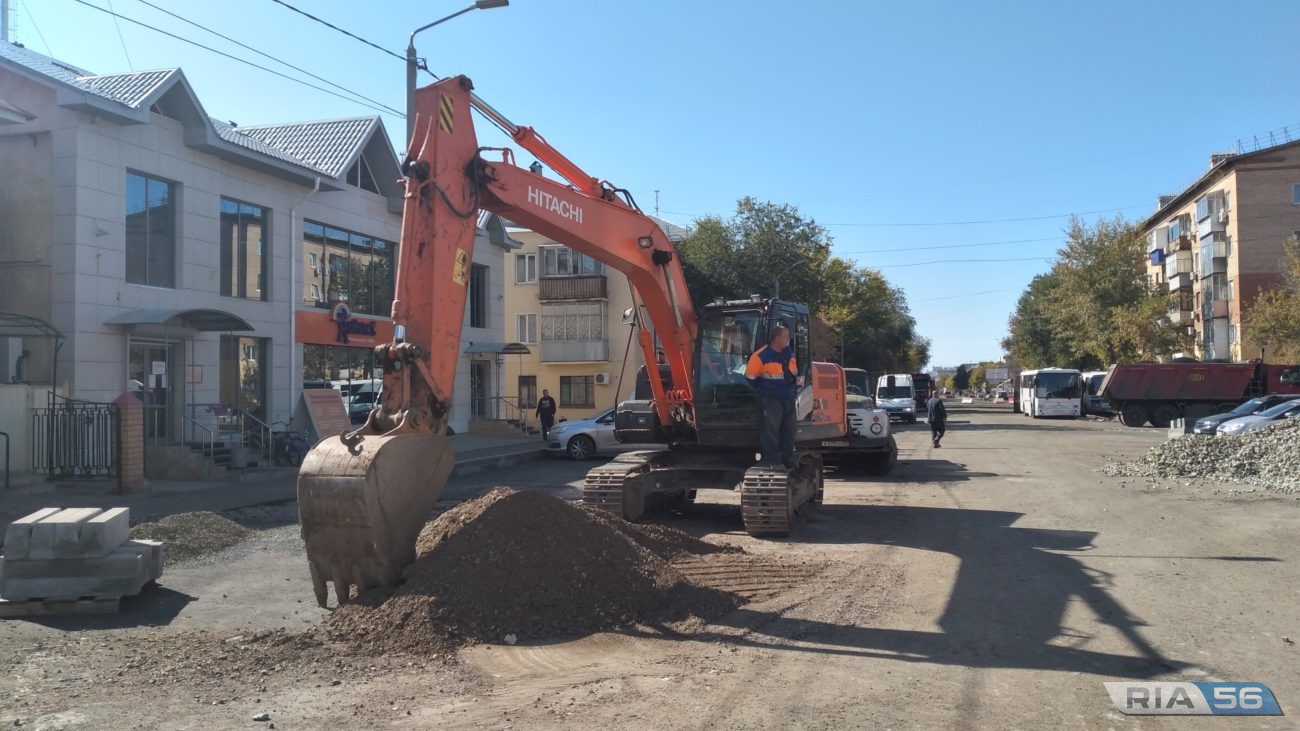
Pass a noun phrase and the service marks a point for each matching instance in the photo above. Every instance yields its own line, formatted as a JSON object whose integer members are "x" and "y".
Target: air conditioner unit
{"x": 1223, "y": 215}
{"x": 602, "y": 379}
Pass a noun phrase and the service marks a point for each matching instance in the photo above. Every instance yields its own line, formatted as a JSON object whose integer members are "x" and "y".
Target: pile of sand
{"x": 529, "y": 565}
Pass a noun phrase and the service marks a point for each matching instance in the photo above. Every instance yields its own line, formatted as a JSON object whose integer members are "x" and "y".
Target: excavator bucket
{"x": 362, "y": 505}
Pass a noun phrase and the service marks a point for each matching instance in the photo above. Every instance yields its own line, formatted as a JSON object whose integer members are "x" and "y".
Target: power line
{"x": 27, "y": 8}
{"x": 121, "y": 39}
{"x": 957, "y": 261}
{"x": 230, "y": 56}
{"x": 273, "y": 58}
{"x": 968, "y": 294}
{"x": 348, "y": 33}
{"x": 873, "y": 224}
{"x": 951, "y": 246}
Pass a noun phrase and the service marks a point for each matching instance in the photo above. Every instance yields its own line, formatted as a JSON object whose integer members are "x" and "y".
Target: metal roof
{"x": 129, "y": 89}
{"x": 328, "y": 145}
{"x": 196, "y": 319}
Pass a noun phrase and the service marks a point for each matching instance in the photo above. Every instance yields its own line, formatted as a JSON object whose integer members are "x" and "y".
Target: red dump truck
{"x": 1158, "y": 393}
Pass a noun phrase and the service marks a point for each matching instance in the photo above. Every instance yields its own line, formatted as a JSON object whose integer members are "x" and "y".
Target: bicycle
{"x": 287, "y": 447}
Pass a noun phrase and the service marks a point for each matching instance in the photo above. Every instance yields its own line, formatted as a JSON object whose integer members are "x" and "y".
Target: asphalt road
{"x": 993, "y": 583}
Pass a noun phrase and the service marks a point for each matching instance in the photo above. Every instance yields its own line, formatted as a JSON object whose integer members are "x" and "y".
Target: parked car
{"x": 1242, "y": 424}
{"x": 585, "y": 438}
{"x": 1209, "y": 424}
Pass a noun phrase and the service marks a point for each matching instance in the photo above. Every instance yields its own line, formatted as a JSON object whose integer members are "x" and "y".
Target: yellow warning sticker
{"x": 461, "y": 270}
{"x": 446, "y": 114}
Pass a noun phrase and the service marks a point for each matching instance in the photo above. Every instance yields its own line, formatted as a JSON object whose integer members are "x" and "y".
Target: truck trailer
{"x": 1158, "y": 393}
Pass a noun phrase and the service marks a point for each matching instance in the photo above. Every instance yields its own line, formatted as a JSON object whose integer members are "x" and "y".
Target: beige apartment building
{"x": 568, "y": 309}
{"x": 1219, "y": 243}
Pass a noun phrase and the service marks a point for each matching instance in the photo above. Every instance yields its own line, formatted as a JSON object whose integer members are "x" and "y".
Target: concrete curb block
{"x": 475, "y": 465}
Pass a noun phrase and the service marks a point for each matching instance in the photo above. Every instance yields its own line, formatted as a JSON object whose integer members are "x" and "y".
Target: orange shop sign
{"x": 338, "y": 326}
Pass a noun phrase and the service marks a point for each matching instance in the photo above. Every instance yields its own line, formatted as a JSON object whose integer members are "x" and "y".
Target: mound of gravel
{"x": 1267, "y": 458}
{"x": 518, "y": 566}
{"x": 191, "y": 535}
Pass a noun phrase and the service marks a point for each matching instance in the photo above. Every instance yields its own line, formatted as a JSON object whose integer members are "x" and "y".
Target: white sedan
{"x": 585, "y": 438}
{"x": 1243, "y": 424}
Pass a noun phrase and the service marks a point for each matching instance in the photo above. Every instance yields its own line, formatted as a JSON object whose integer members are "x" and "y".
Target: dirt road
{"x": 995, "y": 582}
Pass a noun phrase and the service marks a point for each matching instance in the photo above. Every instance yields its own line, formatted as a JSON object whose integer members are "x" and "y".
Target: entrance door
{"x": 151, "y": 378}
{"x": 527, "y": 393}
{"x": 480, "y": 375}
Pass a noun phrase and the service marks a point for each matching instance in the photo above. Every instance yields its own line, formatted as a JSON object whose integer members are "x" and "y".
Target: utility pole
{"x": 656, "y": 204}
{"x": 4, "y": 20}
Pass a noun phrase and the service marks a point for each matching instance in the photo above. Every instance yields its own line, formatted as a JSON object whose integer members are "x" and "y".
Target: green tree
{"x": 976, "y": 377}
{"x": 743, "y": 255}
{"x": 961, "y": 379}
{"x": 1273, "y": 320}
{"x": 1096, "y": 306}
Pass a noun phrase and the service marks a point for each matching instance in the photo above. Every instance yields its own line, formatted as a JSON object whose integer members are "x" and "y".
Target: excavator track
{"x": 774, "y": 502}
{"x": 603, "y": 488}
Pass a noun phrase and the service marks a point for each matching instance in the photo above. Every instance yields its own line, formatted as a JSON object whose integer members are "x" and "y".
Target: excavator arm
{"x": 364, "y": 497}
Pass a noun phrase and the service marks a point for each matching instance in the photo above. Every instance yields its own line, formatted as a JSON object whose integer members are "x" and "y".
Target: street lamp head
{"x": 489, "y": 4}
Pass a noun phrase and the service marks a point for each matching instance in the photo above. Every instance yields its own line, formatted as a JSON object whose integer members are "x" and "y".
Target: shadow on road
{"x": 156, "y": 606}
{"x": 1006, "y": 607}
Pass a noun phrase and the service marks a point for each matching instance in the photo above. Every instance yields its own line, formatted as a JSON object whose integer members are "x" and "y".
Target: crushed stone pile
{"x": 517, "y": 566}
{"x": 1268, "y": 458}
{"x": 190, "y": 535}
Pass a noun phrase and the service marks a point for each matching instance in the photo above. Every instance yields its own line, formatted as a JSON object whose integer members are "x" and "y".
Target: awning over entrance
{"x": 200, "y": 320}
{"x": 13, "y": 325}
{"x": 474, "y": 348}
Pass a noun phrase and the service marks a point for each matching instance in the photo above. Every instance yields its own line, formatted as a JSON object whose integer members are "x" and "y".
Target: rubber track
{"x": 603, "y": 487}
{"x": 765, "y": 502}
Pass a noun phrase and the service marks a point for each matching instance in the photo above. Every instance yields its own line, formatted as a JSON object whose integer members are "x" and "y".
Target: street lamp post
{"x": 776, "y": 281}
{"x": 413, "y": 63}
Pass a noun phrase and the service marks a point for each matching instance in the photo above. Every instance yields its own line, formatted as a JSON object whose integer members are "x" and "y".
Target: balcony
{"x": 574, "y": 351}
{"x": 579, "y": 287}
{"x": 1180, "y": 317}
{"x": 1178, "y": 270}
{"x": 1214, "y": 257}
{"x": 1219, "y": 309}
{"x": 1180, "y": 242}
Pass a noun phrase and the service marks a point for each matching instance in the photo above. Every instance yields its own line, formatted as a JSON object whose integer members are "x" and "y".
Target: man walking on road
{"x": 546, "y": 411}
{"x": 771, "y": 371}
{"x": 937, "y": 415}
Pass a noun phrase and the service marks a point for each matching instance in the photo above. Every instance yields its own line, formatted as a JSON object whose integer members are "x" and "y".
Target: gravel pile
{"x": 190, "y": 535}
{"x": 1268, "y": 458}
{"x": 518, "y": 566}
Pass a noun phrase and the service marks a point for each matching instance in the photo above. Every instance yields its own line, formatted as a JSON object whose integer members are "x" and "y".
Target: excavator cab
{"x": 729, "y": 333}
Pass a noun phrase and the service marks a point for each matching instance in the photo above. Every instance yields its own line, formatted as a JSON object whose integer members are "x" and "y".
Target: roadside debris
{"x": 1267, "y": 458}
{"x": 191, "y": 535}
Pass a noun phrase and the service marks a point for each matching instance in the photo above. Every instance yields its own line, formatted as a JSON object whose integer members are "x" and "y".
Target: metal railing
{"x": 212, "y": 440}
{"x": 74, "y": 439}
{"x": 5, "y": 434}
{"x": 264, "y": 435}
{"x": 510, "y": 409}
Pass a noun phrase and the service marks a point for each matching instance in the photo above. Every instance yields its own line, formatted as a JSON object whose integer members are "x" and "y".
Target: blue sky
{"x": 861, "y": 114}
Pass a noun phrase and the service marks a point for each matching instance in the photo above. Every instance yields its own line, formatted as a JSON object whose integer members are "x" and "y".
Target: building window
{"x": 573, "y": 321}
{"x": 478, "y": 295}
{"x": 1232, "y": 335}
{"x": 527, "y": 393}
{"x": 358, "y": 269}
{"x": 242, "y": 374}
{"x": 243, "y": 267}
{"x": 1295, "y": 194}
{"x": 526, "y": 328}
{"x": 359, "y": 176}
{"x": 525, "y": 268}
{"x": 561, "y": 261}
{"x": 311, "y": 260}
{"x": 578, "y": 391}
{"x": 150, "y": 231}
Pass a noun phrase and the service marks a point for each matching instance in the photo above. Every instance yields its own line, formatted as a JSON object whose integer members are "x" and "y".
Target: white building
{"x": 196, "y": 263}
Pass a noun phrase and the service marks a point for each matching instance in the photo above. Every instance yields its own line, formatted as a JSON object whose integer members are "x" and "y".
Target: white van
{"x": 895, "y": 394}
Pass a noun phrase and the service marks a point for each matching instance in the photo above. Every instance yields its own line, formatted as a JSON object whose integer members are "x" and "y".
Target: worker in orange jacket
{"x": 772, "y": 371}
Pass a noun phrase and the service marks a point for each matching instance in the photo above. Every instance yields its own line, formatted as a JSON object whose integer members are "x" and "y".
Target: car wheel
{"x": 581, "y": 447}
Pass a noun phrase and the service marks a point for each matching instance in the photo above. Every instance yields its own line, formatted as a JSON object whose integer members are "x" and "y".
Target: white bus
{"x": 1051, "y": 392}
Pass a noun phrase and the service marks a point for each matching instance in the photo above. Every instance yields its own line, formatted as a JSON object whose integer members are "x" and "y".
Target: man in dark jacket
{"x": 772, "y": 372}
{"x": 546, "y": 411}
{"x": 937, "y": 415}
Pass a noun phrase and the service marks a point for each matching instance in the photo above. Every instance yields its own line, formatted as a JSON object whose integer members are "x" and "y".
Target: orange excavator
{"x": 364, "y": 496}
